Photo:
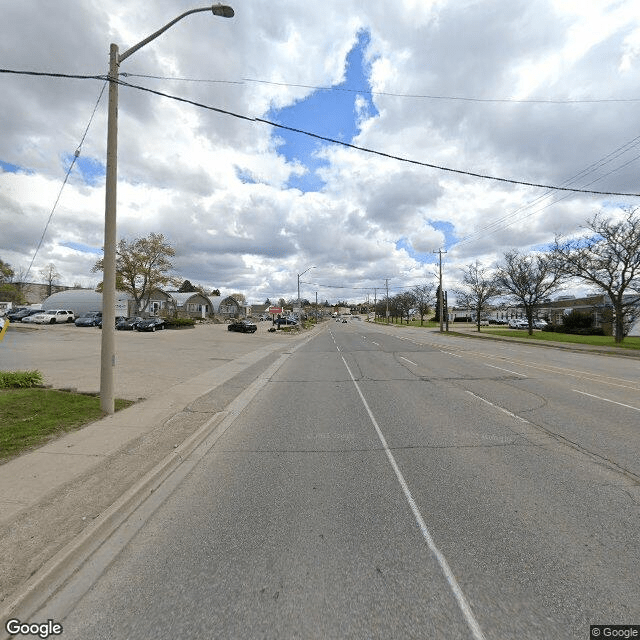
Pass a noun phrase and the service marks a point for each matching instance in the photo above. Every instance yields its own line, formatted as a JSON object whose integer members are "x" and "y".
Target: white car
{"x": 54, "y": 316}
{"x": 518, "y": 323}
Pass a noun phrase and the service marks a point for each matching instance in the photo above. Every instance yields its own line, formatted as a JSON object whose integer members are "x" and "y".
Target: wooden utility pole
{"x": 440, "y": 296}
{"x": 387, "y": 285}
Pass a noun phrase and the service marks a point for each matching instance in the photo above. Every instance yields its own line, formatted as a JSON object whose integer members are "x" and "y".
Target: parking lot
{"x": 146, "y": 363}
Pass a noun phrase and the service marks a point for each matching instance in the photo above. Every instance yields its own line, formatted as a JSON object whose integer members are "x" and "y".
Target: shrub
{"x": 19, "y": 379}
{"x": 577, "y": 320}
{"x": 178, "y": 323}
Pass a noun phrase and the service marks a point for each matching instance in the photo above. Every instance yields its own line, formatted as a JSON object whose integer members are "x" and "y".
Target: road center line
{"x": 442, "y": 561}
{"x": 628, "y": 406}
{"x": 522, "y": 375}
{"x": 455, "y": 355}
{"x": 409, "y": 361}
{"x": 495, "y": 406}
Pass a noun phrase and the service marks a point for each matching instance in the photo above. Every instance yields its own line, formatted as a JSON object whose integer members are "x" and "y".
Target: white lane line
{"x": 442, "y": 561}
{"x": 495, "y": 406}
{"x": 409, "y": 361}
{"x": 377, "y": 345}
{"x": 628, "y": 406}
{"x": 455, "y": 355}
{"x": 515, "y": 373}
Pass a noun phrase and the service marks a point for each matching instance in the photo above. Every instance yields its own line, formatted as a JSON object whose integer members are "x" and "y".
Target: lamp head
{"x": 222, "y": 10}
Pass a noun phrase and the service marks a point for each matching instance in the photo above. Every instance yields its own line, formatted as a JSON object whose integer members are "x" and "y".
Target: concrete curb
{"x": 48, "y": 580}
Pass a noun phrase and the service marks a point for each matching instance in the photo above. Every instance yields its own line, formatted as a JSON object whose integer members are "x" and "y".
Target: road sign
{"x": 275, "y": 310}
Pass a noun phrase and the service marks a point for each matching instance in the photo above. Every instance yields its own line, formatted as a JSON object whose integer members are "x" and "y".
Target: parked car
{"x": 18, "y": 315}
{"x": 289, "y": 320}
{"x": 54, "y": 316}
{"x": 243, "y": 326}
{"x": 15, "y": 315}
{"x": 263, "y": 316}
{"x": 150, "y": 324}
{"x": 32, "y": 318}
{"x": 89, "y": 319}
{"x": 117, "y": 319}
{"x": 518, "y": 323}
{"x": 539, "y": 324}
{"x": 128, "y": 324}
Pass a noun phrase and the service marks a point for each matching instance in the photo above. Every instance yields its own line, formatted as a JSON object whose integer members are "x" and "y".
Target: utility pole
{"x": 441, "y": 297}
{"x": 375, "y": 304}
{"x": 387, "y": 284}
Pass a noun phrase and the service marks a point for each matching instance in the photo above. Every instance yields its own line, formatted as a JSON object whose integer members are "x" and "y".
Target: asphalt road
{"x": 393, "y": 485}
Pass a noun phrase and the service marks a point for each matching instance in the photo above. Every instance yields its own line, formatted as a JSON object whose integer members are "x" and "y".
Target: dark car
{"x": 18, "y": 315}
{"x": 150, "y": 324}
{"x": 90, "y": 319}
{"x": 118, "y": 319}
{"x": 244, "y": 326}
{"x": 128, "y": 324}
{"x": 286, "y": 321}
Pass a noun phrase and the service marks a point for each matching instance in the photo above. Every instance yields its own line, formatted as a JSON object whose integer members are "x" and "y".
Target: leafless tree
{"x": 50, "y": 275}
{"x": 424, "y": 299}
{"x": 608, "y": 257}
{"x": 479, "y": 287}
{"x": 528, "y": 280}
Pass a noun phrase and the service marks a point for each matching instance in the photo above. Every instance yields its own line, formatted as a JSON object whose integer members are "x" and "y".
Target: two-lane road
{"x": 395, "y": 484}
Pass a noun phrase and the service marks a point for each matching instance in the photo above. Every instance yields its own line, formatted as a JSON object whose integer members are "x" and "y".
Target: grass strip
{"x": 599, "y": 341}
{"x": 31, "y": 417}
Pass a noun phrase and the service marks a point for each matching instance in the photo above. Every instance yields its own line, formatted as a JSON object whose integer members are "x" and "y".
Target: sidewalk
{"x": 50, "y": 496}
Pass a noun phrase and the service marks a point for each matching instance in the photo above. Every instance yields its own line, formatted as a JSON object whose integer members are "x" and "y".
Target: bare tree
{"x": 528, "y": 280}
{"x": 424, "y": 299}
{"x": 608, "y": 257}
{"x": 50, "y": 276}
{"x": 478, "y": 289}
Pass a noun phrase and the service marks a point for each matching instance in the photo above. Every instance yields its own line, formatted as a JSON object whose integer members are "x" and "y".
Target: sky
{"x": 339, "y": 135}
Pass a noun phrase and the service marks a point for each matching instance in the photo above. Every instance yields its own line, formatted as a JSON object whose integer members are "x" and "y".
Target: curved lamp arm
{"x": 224, "y": 11}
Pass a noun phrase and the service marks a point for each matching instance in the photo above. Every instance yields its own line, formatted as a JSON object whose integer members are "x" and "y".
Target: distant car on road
{"x": 90, "y": 319}
{"x": 150, "y": 324}
{"x": 243, "y": 326}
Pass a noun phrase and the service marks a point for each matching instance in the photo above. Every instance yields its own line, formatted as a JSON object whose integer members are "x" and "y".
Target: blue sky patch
{"x": 7, "y": 167}
{"x": 93, "y": 172}
{"x": 326, "y": 112}
{"x": 84, "y": 248}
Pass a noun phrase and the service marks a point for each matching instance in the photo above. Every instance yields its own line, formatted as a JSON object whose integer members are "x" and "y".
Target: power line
{"x": 497, "y": 225}
{"x": 316, "y": 136}
{"x": 66, "y": 178}
{"x": 382, "y": 154}
{"x": 422, "y": 96}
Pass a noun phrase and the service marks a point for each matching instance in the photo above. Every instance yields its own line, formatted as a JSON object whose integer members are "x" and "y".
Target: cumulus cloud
{"x": 539, "y": 92}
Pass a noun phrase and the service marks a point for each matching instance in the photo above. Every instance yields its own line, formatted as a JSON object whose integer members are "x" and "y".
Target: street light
{"x": 301, "y": 274}
{"x": 108, "y": 350}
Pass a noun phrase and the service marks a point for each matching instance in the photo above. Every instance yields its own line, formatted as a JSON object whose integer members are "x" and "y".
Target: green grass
{"x": 31, "y": 417}
{"x": 413, "y": 323}
{"x": 603, "y": 341}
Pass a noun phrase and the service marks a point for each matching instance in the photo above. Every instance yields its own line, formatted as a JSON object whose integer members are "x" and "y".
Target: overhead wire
{"x": 463, "y": 172}
{"x": 497, "y": 225}
{"x": 66, "y": 178}
{"x": 554, "y": 101}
